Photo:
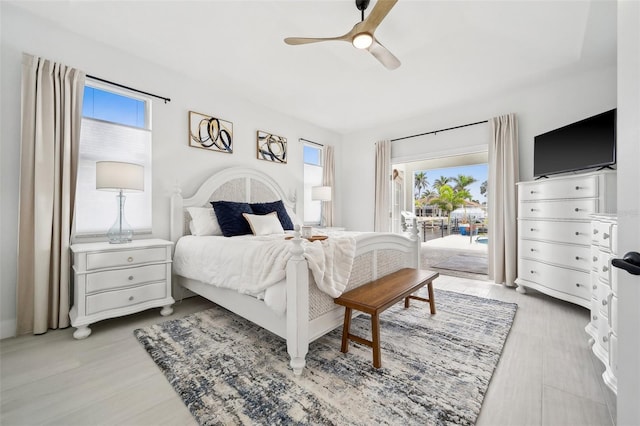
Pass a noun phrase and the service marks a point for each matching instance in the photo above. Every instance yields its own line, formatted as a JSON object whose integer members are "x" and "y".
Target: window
{"x": 312, "y": 177}
{"x": 116, "y": 126}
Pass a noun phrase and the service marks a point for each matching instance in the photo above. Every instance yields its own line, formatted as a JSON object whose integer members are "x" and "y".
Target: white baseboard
{"x": 7, "y": 328}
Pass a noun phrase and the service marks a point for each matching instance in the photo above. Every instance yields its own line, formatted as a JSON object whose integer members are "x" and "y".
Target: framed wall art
{"x": 211, "y": 133}
{"x": 272, "y": 148}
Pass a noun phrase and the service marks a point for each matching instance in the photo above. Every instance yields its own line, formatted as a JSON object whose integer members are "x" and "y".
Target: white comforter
{"x": 254, "y": 265}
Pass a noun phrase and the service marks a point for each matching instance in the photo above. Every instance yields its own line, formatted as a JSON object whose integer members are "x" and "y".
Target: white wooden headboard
{"x": 240, "y": 184}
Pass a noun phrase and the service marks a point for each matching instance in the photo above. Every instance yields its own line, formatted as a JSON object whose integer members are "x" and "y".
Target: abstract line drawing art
{"x": 211, "y": 133}
{"x": 272, "y": 148}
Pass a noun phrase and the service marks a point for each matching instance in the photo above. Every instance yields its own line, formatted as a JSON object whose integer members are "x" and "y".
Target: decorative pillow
{"x": 203, "y": 221}
{"x": 275, "y": 206}
{"x": 264, "y": 224}
{"x": 229, "y": 214}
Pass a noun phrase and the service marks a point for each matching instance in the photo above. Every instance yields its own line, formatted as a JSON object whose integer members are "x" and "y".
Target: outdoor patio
{"x": 455, "y": 254}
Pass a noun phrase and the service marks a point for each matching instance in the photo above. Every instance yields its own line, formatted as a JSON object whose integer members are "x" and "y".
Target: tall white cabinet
{"x": 554, "y": 233}
{"x": 603, "y": 324}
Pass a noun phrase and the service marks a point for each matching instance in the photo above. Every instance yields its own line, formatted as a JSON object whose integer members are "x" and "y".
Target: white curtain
{"x": 328, "y": 179}
{"x": 503, "y": 175}
{"x": 382, "y": 211}
{"x": 51, "y": 115}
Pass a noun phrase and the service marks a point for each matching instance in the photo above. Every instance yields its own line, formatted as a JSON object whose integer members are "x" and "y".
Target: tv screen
{"x": 586, "y": 144}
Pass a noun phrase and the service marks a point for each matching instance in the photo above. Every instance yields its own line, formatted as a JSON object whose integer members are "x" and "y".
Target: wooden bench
{"x": 376, "y": 296}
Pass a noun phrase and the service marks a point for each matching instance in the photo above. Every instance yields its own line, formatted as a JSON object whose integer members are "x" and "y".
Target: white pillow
{"x": 203, "y": 221}
{"x": 264, "y": 224}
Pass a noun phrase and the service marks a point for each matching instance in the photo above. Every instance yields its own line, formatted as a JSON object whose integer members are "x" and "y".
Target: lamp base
{"x": 120, "y": 232}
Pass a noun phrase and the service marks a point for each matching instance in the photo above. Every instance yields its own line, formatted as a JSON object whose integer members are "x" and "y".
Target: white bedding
{"x": 256, "y": 265}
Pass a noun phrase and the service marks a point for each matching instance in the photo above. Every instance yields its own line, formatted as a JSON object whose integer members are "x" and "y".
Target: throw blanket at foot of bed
{"x": 251, "y": 265}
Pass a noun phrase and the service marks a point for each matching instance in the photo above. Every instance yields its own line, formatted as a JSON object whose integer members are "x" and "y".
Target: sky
{"x": 478, "y": 171}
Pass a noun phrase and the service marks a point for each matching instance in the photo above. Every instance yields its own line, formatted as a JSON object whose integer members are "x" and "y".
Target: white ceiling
{"x": 451, "y": 51}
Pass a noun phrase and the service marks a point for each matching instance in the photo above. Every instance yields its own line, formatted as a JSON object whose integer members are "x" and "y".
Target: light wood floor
{"x": 547, "y": 374}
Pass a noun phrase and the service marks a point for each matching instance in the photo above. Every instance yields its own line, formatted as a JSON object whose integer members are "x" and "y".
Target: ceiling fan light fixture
{"x": 362, "y": 40}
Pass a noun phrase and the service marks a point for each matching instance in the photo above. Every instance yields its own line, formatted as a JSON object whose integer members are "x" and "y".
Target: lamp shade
{"x": 116, "y": 176}
{"x": 321, "y": 193}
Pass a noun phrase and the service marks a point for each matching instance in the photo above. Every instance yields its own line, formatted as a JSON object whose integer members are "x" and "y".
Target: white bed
{"x": 309, "y": 312}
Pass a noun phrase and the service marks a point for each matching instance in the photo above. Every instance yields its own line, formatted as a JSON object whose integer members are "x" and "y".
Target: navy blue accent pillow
{"x": 275, "y": 206}
{"x": 230, "y": 217}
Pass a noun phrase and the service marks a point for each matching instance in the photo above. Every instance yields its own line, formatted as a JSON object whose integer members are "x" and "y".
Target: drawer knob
{"x": 129, "y": 259}
{"x": 533, "y": 249}
{"x": 604, "y": 302}
{"x": 130, "y": 277}
{"x": 605, "y": 268}
{"x": 595, "y": 286}
{"x": 577, "y": 257}
{"x": 577, "y": 233}
{"x": 605, "y": 235}
{"x": 130, "y": 298}
{"x": 534, "y": 210}
{"x": 577, "y": 188}
{"x": 577, "y": 209}
{"x": 595, "y": 231}
{"x": 605, "y": 339}
{"x": 532, "y": 271}
{"x": 577, "y": 284}
{"x": 533, "y": 229}
{"x": 595, "y": 258}
{"x": 533, "y": 192}
{"x": 595, "y": 317}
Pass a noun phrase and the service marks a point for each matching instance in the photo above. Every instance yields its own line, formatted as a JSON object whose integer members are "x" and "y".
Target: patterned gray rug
{"x": 465, "y": 263}
{"x": 435, "y": 369}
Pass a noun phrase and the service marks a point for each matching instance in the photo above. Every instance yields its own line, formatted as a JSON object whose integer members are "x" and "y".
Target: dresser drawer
{"x": 576, "y": 187}
{"x": 604, "y": 267}
{"x": 126, "y": 297}
{"x": 595, "y": 258}
{"x": 595, "y": 312}
{"x": 601, "y": 234}
{"x": 565, "y": 209}
{"x": 603, "y": 333}
{"x": 105, "y": 280}
{"x": 604, "y": 299}
{"x": 576, "y": 283}
{"x": 125, "y": 257}
{"x": 573, "y": 256}
{"x": 562, "y": 232}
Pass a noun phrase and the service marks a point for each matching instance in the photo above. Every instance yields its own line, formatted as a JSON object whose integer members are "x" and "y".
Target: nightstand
{"x": 111, "y": 280}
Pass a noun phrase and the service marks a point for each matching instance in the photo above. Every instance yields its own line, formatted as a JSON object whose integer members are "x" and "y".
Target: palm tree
{"x": 448, "y": 200}
{"x": 462, "y": 181}
{"x": 483, "y": 188}
{"x": 420, "y": 182}
{"x": 441, "y": 181}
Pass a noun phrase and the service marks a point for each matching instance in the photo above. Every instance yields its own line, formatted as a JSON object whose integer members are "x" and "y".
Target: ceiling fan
{"x": 361, "y": 35}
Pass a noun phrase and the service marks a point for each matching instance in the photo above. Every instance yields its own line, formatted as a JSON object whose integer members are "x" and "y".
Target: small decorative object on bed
{"x": 285, "y": 286}
{"x": 272, "y": 148}
{"x": 210, "y": 133}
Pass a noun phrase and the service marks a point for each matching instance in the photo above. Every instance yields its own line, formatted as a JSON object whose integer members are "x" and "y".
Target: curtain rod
{"x": 438, "y": 131}
{"x": 307, "y": 140}
{"x": 129, "y": 88}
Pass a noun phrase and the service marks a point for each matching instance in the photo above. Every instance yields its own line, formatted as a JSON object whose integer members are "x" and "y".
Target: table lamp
{"x": 119, "y": 176}
{"x": 321, "y": 193}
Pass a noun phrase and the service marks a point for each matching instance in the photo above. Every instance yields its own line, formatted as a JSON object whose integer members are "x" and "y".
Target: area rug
{"x": 435, "y": 369}
{"x": 465, "y": 263}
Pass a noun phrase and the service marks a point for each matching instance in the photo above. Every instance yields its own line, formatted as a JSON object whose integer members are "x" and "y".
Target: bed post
{"x": 415, "y": 237}
{"x": 297, "y": 305}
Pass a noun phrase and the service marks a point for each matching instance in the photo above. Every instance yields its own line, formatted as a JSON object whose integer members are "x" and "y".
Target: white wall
{"x": 174, "y": 162}
{"x": 539, "y": 109}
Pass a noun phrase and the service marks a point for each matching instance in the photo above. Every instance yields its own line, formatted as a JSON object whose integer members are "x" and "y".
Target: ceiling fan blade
{"x": 306, "y": 40}
{"x": 383, "y": 55}
{"x": 380, "y": 10}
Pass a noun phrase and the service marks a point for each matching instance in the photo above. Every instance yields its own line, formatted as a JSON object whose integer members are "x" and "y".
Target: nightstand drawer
{"x": 106, "y": 280}
{"x": 125, "y": 257}
{"x": 122, "y": 298}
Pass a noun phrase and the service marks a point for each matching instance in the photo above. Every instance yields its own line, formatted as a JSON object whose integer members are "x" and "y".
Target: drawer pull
{"x": 595, "y": 286}
{"x": 577, "y": 233}
{"x": 533, "y": 229}
{"x": 577, "y": 284}
{"x": 130, "y": 298}
{"x": 576, "y": 209}
{"x": 577, "y": 257}
{"x": 577, "y": 188}
{"x": 533, "y": 192}
{"x": 595, "y": 258}
{"x": 595, "y": 317}
{"x": 605, "y": 236}
{"x": 595, "y": 231}
{"x": 534, "y": 210}
{"x": 130, "y": 277}
{"x": 604, "y": 302}
{"x": 532, "y": 271}
{"x": 533, "y": 250}
{"x": 605, "y": 339}
{"x": 129, "y": 259}
{"x": 605, "y": 268}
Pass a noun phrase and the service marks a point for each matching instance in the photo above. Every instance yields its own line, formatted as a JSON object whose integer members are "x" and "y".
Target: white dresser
{"x": 111, "y": 280}
{"x": 554, "y": 233}
{"x": 603, "y": 327}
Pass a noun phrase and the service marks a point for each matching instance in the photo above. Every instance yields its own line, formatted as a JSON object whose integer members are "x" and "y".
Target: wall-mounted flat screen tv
{"x": 586, "y": 144}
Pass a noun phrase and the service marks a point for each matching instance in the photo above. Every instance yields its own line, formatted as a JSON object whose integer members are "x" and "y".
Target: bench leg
{"x": 375, "y": 337}
{"x": 406, "y": 302}
{"x": 345, "y": 330}
{"x": 432, "y": 301}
